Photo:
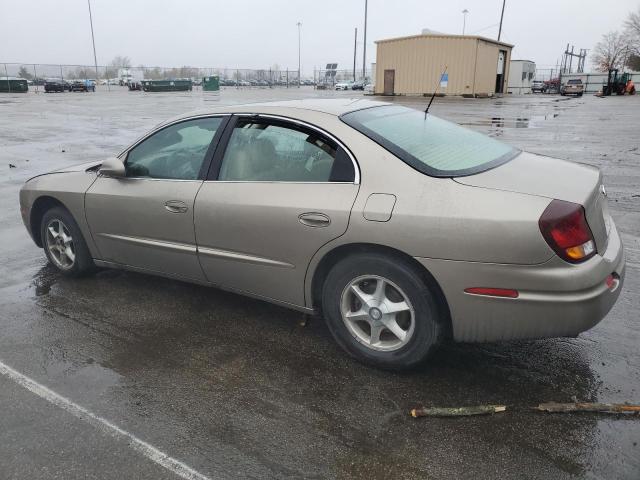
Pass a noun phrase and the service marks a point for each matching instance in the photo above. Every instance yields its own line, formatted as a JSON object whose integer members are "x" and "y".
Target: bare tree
{"x": 632, "y": 30}
{"x": 83, "y": 73}
{"x": 120, "y": 61}
{"x": 611, "y": 51}
{"x": 24, "y": 73}
{"x": 633, "y": 62}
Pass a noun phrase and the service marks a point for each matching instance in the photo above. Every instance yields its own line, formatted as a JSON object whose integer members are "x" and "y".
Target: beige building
{"x": 476, "y": 66}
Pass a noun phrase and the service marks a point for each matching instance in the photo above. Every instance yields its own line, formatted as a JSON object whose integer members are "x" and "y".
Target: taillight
{"x": 564, "y": 227}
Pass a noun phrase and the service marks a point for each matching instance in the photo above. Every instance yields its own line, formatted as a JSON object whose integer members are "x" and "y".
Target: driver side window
{"x": 176, "y": 152}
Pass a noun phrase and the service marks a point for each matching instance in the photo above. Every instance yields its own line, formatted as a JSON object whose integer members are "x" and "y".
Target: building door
{"x": 389, "y": 82}
{"x": 502, "y": 55}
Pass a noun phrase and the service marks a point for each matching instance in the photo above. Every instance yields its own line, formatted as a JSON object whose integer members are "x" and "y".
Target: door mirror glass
{"x": 112, "y": 167}
{"x": 176, "y": 152}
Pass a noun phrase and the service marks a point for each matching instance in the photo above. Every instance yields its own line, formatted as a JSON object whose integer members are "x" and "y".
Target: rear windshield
{"x": 429, "y": 144}
{"x": 574, "y": 82}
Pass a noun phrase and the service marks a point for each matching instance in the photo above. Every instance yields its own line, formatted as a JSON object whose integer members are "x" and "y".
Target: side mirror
{"x": 112, "y": 167}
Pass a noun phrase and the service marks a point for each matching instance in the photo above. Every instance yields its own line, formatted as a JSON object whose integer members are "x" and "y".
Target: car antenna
{"x": 435, "y": 90}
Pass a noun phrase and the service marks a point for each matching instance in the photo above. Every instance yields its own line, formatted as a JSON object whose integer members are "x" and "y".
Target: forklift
{"x": 618, "y": 84}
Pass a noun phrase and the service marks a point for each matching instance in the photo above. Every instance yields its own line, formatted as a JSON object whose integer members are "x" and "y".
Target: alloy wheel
{"x": 60, "y": 244}
{"x": 377, "y": 313}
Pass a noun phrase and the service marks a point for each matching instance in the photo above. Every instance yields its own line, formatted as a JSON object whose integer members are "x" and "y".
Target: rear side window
{"x": 429, "y": 144}
{"x": 264, "y": 151}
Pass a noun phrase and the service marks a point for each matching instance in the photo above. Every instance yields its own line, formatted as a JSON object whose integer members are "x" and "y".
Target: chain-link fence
{"x": 592, "y": 82}
{"x": 546, "y": 74}
{"x": 328, "y": 78}
{"x": 113, "y": 76}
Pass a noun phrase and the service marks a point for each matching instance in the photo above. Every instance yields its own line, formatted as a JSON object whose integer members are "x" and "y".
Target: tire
{"x": 60, "y": 220}
{"x": 420, "y": 323}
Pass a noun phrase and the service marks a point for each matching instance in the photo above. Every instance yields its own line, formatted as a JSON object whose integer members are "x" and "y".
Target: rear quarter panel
{"x": 437, "y": 217}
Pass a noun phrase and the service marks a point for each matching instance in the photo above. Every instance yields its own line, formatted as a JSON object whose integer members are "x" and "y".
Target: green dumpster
{"x": 13, "y": 85}
{"x": 211, "y": 84}
{"x": 178, "y": 85}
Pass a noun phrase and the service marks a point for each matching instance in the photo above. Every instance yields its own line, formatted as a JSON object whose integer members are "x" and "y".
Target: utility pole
{"x": 364, "y": 44}
{"x": 355, "y": 48}
{"x": 501, "y": 17}
{"x": 299, "y": 24}
{"x": 464, "y": 19}
{"x": 93, "y": 41}
{"x": 567, "y": 59}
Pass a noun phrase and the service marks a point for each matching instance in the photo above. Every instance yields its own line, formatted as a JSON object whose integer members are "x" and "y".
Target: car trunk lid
{"x": 542, "y": 176}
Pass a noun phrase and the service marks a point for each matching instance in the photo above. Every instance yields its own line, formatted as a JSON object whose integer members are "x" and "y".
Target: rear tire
{"x": 64, "y": 244}
{"x": 380, "y": 311}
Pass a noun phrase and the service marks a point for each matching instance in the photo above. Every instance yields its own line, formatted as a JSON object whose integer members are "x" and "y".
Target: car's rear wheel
{"x": 381, "y": 311}
{"x": 64, "y": 244}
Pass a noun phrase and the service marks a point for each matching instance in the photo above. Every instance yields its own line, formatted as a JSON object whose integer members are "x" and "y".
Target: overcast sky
{"x": 261, "y": 33}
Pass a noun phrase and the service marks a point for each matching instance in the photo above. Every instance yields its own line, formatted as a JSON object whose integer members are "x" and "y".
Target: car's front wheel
{"x": 64, "y": 244}
{"x": 381, "y": 311}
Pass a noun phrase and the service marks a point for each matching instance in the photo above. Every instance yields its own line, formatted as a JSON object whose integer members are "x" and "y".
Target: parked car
{"x": 573, "y": 86}
{"x": 82, "y": 86}
{"x": 400, "y": 228}
{"x": 357, "y": 86}
{"x": 78, "y": 86}
{"x": 52, "y": 86}
{"x": 369, "y": 88}
{"x": 538, "y": 86}
{"x": 343, "y": 86}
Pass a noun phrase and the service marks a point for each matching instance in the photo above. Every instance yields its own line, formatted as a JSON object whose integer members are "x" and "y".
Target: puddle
{"x": 44, "y": 279}
{"x": 533, "y": 121}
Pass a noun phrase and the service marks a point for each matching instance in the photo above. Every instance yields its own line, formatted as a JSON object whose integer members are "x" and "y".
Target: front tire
{"x": 64, "y": 244}
{"x": 380, "y": 310}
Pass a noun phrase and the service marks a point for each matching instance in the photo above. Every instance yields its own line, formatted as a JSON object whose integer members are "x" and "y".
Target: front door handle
{"x": 175, "y": 206}
{"x": 314, "y": 219}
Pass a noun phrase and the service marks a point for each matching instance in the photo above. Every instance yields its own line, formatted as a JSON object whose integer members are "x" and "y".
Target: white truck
{"x": 128, "y": 76}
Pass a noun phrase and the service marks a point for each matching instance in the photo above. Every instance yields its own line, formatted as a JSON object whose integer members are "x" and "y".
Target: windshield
{"x": 429, "y": 144}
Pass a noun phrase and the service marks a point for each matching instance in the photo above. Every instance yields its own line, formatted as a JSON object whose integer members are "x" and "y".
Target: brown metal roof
{"x": 444, "y": 35}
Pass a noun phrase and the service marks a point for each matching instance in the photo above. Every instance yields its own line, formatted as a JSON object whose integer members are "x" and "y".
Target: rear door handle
{"x": 175, "y": 206}
{"x": 314, "y": 219}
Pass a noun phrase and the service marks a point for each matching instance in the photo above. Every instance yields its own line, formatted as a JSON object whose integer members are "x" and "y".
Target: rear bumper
{"x": 556, "y": 299}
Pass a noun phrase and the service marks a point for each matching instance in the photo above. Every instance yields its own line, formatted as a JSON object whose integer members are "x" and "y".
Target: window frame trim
{"x": 211, "y": 149}
{"x": 216, "y": 163}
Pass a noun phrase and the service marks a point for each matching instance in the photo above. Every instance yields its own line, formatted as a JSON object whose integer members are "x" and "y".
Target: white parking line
{"x": 149, "y": 451}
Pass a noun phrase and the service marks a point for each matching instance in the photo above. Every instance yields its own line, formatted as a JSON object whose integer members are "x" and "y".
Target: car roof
{"x": 333, "y": 106}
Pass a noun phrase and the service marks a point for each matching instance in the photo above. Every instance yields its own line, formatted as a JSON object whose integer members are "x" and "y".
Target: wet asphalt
{"x": 238, "y": 388}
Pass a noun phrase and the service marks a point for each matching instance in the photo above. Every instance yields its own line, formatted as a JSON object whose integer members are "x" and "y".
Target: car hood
{"x": 82, "y": 167}
{"x": 533, "y": 174}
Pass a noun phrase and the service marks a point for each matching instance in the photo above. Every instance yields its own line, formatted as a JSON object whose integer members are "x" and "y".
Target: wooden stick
{"x": 553, "y": 407}
{"x": 457, "y": 411}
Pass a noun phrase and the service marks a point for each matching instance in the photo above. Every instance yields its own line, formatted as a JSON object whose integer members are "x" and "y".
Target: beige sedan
{"x": 400, "y": 228}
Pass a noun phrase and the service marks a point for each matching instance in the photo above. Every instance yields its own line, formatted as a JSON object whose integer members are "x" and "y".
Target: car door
{"x": 279, "y": 191}
{"x": 145, "y": 219}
